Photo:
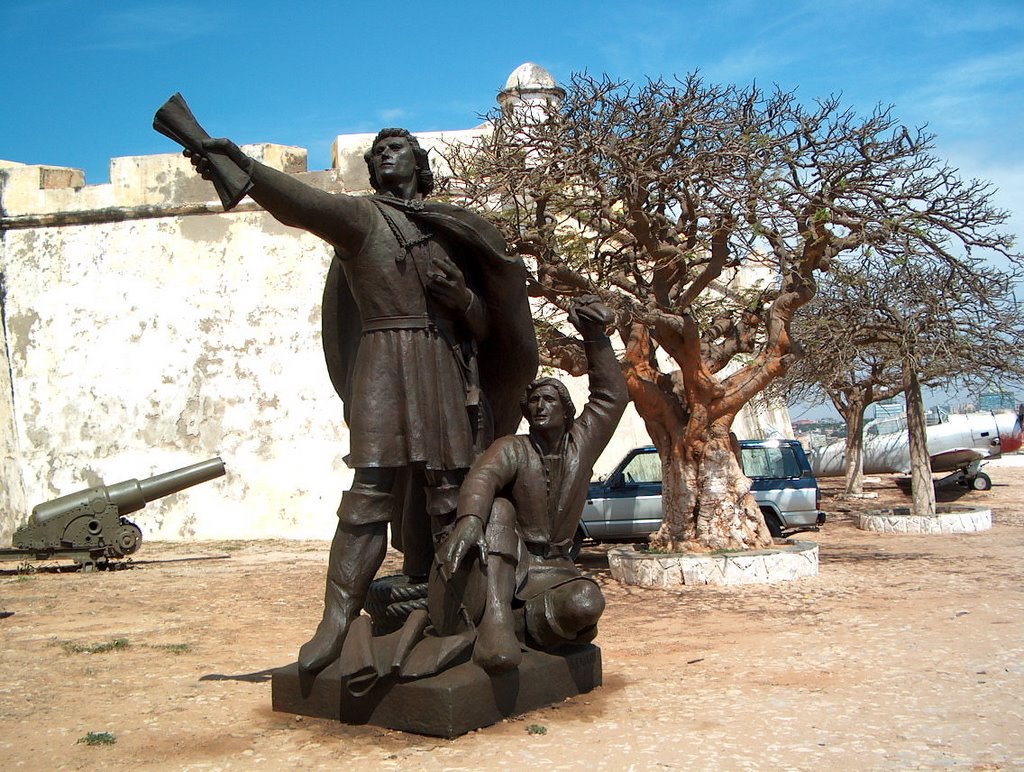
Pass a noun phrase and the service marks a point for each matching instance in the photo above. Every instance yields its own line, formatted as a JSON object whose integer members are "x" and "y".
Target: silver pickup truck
{"x": 626, "y": 505}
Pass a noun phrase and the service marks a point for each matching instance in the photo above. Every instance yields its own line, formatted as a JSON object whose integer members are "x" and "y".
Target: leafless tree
{"x": 702, "y": 214}
{"x": 956, "y": 322}
{"x": 844, "y": 359}
{"x": 869, "y": 334}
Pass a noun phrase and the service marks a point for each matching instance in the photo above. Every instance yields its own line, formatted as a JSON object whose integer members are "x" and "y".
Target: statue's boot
{"x": 340, "y": 608}
{"x": 567, "y": 613}
{"x": 497, "y": 648}
{"x": 356, "y": 553}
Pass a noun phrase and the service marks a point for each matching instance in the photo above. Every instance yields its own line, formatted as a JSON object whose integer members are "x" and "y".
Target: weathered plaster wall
{"x": 12, "y": 491}
{"x": 141, "y": 345}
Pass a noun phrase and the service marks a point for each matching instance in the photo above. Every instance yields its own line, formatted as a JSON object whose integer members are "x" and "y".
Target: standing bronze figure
{"x": 428, "y": 339}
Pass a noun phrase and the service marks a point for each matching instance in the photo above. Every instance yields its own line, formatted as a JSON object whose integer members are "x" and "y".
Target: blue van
{"x": 626, "y": 505}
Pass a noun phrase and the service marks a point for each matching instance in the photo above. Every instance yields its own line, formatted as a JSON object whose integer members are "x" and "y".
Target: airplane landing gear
{"x": 981, "y": 482}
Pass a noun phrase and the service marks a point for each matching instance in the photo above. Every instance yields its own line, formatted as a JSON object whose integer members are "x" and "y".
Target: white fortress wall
{"x": 148, "y": 330}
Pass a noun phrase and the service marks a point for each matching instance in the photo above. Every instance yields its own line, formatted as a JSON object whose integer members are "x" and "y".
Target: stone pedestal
{"x": 947, "y": 519}
{"x": 789, "y": 559}
{"x": 451, "y": 703}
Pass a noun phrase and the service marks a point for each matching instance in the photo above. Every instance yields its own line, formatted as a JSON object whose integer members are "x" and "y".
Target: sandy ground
{"x": 906, "y": 652}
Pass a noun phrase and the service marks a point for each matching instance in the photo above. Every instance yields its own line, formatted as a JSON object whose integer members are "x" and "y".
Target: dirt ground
{"x": 906, "y": 652}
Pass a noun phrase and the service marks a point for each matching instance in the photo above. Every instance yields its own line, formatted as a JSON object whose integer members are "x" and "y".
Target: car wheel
{"x": 576, "y": 546}
{"x": 981, "y": 483}
{"x": 774, "y": 524}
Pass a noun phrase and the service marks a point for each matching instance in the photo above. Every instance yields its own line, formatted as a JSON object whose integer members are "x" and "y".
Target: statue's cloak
{"x": 507, "y": 357}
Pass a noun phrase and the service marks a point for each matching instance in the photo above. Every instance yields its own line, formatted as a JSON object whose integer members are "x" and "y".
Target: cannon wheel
{"x": 127, "y": 541}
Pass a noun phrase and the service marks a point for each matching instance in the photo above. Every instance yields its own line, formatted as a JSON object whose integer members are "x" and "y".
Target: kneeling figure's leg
{"x": 497, "y": 649}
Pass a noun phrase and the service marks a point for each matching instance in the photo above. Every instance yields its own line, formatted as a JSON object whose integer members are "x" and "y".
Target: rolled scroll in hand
{"x": 176, "y": 121}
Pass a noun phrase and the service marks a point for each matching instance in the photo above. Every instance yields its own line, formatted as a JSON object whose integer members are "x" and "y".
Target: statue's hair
{"x": 424, "y": 177}
{"x": 567, "y": 406}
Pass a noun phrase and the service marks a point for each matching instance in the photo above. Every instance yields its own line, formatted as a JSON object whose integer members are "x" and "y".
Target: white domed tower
{"x": 532, "y": 89}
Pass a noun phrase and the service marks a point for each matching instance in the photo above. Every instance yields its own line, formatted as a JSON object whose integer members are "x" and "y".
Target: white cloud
{"x": 391, "y": 115}
{"x": 155, "y": 26}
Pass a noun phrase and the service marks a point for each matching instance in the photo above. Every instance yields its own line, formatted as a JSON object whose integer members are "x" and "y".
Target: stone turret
{"x": 530, "y": 87}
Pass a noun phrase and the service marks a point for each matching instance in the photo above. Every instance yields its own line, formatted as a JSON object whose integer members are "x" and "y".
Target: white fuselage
{"x": 956, "y": 443}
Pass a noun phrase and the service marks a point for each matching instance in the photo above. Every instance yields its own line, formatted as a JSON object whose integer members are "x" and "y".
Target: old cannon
{"x": 90, "y": 524}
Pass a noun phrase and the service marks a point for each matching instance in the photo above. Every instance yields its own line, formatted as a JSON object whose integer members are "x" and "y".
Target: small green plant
{"x": 115, "y": 644}
{"x": 537, "y": 729}
{"x": 98, "y": 738}
{"x": 172, "y": 648}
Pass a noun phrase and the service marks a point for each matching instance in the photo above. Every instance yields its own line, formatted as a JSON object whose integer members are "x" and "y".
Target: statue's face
{"x": 393, "y": 160}
{"x": 544, "y": 409}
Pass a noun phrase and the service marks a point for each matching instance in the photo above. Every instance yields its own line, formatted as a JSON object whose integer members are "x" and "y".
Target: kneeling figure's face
{"x": 544, "y": 409}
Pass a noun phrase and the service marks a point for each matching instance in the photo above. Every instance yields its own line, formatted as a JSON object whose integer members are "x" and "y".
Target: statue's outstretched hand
{"x": 201, "y": 159}
{"x": 587, "y": 311}
{"x": 467, "y": 535}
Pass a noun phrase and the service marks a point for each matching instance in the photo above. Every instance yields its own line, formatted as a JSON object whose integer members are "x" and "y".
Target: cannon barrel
{"x": 130, "y": 495}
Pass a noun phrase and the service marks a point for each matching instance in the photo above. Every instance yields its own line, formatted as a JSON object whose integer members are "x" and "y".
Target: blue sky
{"x": 83, "y": 78}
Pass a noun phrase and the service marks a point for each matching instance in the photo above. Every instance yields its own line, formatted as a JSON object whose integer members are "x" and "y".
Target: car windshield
{"x": 770, "y": 462}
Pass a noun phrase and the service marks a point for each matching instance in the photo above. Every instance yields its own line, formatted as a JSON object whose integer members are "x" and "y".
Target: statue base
{"x": 449, "y": 704}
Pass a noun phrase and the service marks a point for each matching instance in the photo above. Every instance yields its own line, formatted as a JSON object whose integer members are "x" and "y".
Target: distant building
{"x": 997, "y": 400}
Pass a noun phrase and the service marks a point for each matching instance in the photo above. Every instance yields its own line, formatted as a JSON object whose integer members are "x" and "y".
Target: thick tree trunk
{"x": 921, "y": 486}
{"x": 706, "y": 497}
{"x": 706, "y": 501}
{"x": 855, "y": 448}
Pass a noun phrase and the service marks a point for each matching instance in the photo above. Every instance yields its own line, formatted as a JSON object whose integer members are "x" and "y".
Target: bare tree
{"x": 845, "y": 360}
{"x": 701, "y": 214}
{"x": 923, "y": 320}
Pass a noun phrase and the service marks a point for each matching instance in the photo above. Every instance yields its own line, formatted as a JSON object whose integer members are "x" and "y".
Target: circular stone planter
{"x": 788, "y": 560}
{"x": 947, "y": 519}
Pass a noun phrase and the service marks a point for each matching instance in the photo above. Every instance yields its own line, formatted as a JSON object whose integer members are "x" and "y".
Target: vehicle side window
{"x": 787, "y": 463}
{"x": 770, "y": 462}
{"x": 643, "y": 468}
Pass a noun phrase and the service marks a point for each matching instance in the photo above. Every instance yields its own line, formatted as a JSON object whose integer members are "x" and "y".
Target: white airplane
{"x": 959, "y": 444}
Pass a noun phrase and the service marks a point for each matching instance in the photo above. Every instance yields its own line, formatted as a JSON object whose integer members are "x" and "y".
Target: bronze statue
{"x": 520, "y": 505}
{"x": 428, "y": 339}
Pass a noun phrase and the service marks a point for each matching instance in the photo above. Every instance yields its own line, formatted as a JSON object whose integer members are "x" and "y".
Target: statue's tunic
{"x": 408, "y": 374}
{"x": 410, "y": 379}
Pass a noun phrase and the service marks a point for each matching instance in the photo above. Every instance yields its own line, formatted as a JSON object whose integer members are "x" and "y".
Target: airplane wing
{"x": 956, "y": 458}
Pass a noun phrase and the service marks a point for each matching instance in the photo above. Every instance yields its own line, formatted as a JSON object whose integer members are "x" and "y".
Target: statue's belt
{"x": 466, "y": 360}
{"x": 413, "y": 322}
